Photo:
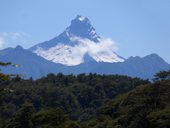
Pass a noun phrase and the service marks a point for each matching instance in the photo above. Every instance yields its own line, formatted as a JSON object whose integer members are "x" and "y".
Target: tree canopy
{"x": 85, "y": 101}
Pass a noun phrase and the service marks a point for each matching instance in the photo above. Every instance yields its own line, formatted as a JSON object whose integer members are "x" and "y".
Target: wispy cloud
{"x": 11, "y": 39}
{"x": 14, "y": 35}
{"x": 102, "y": 51}
{"x": 104, "y": 45}
{"x": 2, "y": 42}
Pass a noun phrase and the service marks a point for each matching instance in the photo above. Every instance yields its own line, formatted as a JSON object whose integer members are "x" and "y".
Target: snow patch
{"x": 93, "y": 32}
{"x": 81, "y": 18}
{"x": 104, "y": 51}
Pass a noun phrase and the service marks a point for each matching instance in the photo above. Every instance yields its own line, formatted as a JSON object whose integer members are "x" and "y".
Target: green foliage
{"x": 162, "y": 75}
{"x": 144, "y": 107}
{"x": 77, "y": 96}
{"x": 5, "y": 64}
{"x": 7, "y": 76}
{"x": 50, "y": 118}
{"x": 85, "y": 101}
{"x": 23, "y": 117}
{"x": 4, "y": 77}
{"x": 98, "y": 122}
{"x": 160, "y": 118}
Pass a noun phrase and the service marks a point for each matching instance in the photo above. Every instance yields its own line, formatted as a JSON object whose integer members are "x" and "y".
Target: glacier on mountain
{"x": 79, "y": 39}
{"x": 102, "y": 51}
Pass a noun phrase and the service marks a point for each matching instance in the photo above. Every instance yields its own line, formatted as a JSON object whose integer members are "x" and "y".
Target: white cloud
{"x": 103, "y": 51}
{"x": 15, "y": 35}
{"x": 2, "y": 42}
{"x": 11, "y": 39}
{"x": 105, "y": 47}
{"x": 5, "y": 34}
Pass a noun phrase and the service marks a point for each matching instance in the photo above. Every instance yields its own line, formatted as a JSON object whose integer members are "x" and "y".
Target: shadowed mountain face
{"x": 144, "y": 67}
{"x": 80, "y": 27}
{"x": 77, "y": 40}
{"x": 36, "y": 66}
{"x": 78, "y": 50}
{"x": 31, "y": 65}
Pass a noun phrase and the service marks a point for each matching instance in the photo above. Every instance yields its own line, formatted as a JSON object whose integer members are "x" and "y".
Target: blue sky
{"x": 139, "y": 27}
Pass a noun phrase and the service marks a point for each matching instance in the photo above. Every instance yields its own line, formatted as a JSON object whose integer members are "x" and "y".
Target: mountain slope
{"x": 36, "y": 66}
{"x": 80, "y": 27}
{"x": 70, "y": 47}
{"x": 144, "y": 67}
{"x": 147, "y": 106}
{"x": 79, "y": 49}
{"x": 31, "y": 64}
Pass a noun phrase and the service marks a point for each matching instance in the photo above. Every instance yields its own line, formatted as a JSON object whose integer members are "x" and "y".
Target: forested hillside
{"x": 85, "y": 101}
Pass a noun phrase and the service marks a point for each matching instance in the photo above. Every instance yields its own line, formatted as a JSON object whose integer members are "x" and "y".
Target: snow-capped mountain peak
{"x": 78, "y": 40}
{"x": 81, "y": 27}
{"x": 81, "y": 18}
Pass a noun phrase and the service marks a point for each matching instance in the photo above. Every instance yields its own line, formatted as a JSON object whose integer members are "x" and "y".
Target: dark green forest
{"x": 85, "y": 101}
